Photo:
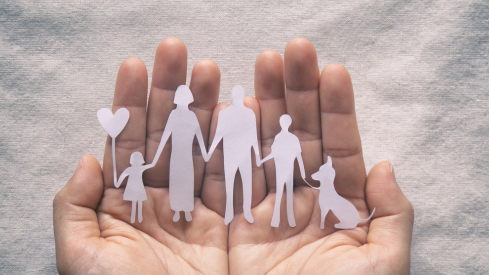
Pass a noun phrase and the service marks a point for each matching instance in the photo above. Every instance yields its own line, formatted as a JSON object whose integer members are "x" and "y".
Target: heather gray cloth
{"x": 419, "y": 71}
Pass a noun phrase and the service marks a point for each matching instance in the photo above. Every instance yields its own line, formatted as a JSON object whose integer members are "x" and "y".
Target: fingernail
{"x": 392, "y": 172}
{"x": 80, "y": 163}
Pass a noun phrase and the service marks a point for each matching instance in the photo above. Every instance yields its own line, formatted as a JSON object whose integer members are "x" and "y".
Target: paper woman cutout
{"x": 113, "y": 124}
{"x": 135, "y": 191}
{"x": 285, "y": 149}
{"x": 236, "y": 126}
{"x": 183, "y": 126}
{"x": 329, "y": 199}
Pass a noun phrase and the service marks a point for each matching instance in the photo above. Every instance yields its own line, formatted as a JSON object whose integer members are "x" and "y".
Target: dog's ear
{"x": 330, "y": 161}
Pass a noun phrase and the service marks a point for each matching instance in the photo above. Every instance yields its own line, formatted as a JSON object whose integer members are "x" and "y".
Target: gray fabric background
{"x": 419, "y": 71}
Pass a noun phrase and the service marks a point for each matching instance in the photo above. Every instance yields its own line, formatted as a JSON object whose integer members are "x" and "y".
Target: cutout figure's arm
{"x": 217, "y": 138}
{"x": 301, "y": 166}
{"x": 269, "y": 157}
{"x": 121, "y": 178}
{"x": 200, "y": 139}
{"x": 256, "y": 148}
{"x": 215, "y": 142}
{"x": 164, "y": 138}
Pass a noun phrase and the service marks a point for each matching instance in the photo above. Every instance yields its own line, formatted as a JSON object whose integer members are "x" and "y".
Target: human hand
{"x": 93, "y": 233}
{"x": 323, "y": 117}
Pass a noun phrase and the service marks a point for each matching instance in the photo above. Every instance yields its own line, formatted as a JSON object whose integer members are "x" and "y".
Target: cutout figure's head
{"x": 238, "y": 94}
{"x": 136, "y": 158}
{"x": 285, "y": 121}
{"x": 183, "y": 96}
{"x": 325, "y": 168}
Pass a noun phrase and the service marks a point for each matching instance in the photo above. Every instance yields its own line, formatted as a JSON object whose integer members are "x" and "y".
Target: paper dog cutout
{"x": 329, "y": 199}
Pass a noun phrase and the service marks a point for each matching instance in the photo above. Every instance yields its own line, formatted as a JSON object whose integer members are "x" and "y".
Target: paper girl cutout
{"x": 113, "y": 124}
{"x": 236, "y": 126}
{"x": 135, "y": 191}
{"x": 183, "y": 126}
{"x": 329, "y": 199}
{"x": 285, "y": 149}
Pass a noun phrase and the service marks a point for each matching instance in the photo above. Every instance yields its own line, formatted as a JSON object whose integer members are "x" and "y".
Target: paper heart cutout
{"x": 113, "y": 123}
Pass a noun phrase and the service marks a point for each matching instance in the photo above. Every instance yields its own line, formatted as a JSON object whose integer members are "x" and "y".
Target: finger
{"x": 390, "y": 232}
{"x": 74, "y": 217}
{"x": 270, "y": 93}
{"x": 204, "y": 85}
{"x": 301, "y": 86}
{"x": 214, "y": 186}
{"x": 341, "y": 139}
{"x": 131, "y": 90}
{"x": 169, "y": 72}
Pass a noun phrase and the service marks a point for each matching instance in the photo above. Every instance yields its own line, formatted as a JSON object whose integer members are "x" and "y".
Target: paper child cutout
{"x": 236, "y": 126}
{"x": 183, "y": 126}
{"x": 344, "y": 210}
{"x": 113, "y": 124}
{"x": 285, "y": 149}
{"x": 135, "y": 191}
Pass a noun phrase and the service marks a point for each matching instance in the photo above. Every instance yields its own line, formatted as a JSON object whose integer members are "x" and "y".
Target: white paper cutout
{"x": 236, "y": 126}
{"x": 183, "y": 126}
{"x": 113, "y": 124}
{"x": 285, "y": 149}
{"x": 135, "y": 191}
{"x": 329, "y": 199}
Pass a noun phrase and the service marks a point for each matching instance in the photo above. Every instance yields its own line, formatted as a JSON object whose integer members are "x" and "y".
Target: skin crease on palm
{"x": 92, "y": 230}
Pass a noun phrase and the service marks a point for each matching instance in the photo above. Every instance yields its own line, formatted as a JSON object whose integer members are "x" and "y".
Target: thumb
{"x": 74, "y": 217}
{"x": 390, "y": 232}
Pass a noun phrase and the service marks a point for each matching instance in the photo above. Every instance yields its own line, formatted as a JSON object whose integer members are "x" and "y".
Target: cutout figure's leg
{"x": 188, "y": 216}
{"x": 140, "y": 211}
{"x": 290, "y": 203}
{"x": 229, "y": 176}
{"x": 323, "y": 217}
{"x": 133, "y": 212}
{"x": 176, "y": 217}
{"x": 278, "y": 200}
{"x": 246, "y": 176}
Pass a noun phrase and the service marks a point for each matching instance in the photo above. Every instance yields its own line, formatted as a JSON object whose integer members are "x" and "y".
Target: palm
{"x": 158, "y": 244}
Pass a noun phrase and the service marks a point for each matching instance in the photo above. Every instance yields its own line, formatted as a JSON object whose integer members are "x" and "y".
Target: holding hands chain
{"x": 94, "y": 235}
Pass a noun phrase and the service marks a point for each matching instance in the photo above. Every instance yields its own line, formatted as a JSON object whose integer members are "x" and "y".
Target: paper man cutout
{"x": 329, "y": 199}
{"x": 135, "y": 191}
{"x": 236, "y": 126}
{"x": 113, "y": 124}
{"x": 285, "y": 149}
{"x": 183, "y": 126}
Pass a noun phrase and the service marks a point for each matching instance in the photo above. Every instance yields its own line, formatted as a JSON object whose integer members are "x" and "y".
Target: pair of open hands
{"x": 91, "y": 221}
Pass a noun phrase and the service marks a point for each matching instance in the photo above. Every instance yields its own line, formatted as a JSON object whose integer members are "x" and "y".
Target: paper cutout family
{"x": 236, "y": 127}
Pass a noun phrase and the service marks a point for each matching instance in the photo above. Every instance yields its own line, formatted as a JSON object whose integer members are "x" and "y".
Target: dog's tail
{"x": 369, "y": 217}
